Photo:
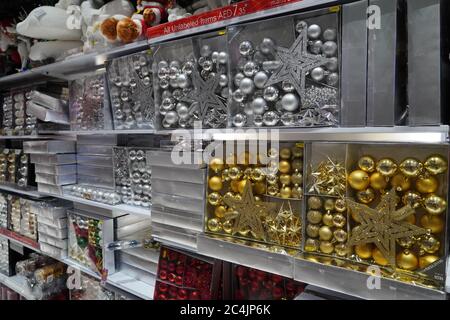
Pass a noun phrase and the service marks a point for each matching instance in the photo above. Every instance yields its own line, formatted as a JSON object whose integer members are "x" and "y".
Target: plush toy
{"x": 153, "y": 13}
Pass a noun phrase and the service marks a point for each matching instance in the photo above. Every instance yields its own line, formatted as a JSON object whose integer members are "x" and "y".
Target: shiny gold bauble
{"x": 433, "y": 223}
{"x": 312, "y": 245}
{"x": 285, "y": 153}
{"x": 406, "y": 242}
{"x": 234, "y": 173}
{"x": 427, "y": 184}
{"x": 339, "y": 220}
{"x": 284, "y": 166}
{"x": 366, "y": 163}
{"x": 241, "y": 185}
{"x": 341, "y": 249}
{"x": 314, "y": 216}
{"x": 285, "y": 179}
{"x": 340, "y": 205}
{"x": 407, "y": 260}
{"x": 358, "y": 180}
{"x": 327, "y": 219}
{"x": 297, "y": 192}
{"x": 400, "y": 182}
{"x": 285, "y": 192}
{"x": 312, "y": 230}
{"x": 365, "y": 196}
{"x": 297, "y": 152}
{"x": 378, "y": 181}
{"x": 229, "y": 194}
{"x": 225, "y": 176}
{"x": 272, "y": 179}
{"x": 379, "y": 258}
{"x": 214, "y": 198}
{"x": 297, "y": 178}
{"x": 216, "y": 164}
{"x": 326, "y": 247}
{"x": 273, "y": 190}
{"x": 245, "y": 158}
{"x": 227, "y": 226}
{"x": 314, "y": 203}
{"x": 436, "y": 164}
{"x": 231, "y": 160}
{"x": 214, "y": 225}
{"x": 297, "y": 164}
{"x": 425, "y": 261}
{"x": 412, "y": 198}
{"x": 215, "y": 183}
{"x": 259, "y": 187}
{"x": 429, "y": 244}
{"x": 234, "y": 185}
{"x": 434, "y": 204}
{"x": 387, "y": 167}
{"x": 364, "y": 251}
{"x": 257, "y": 175}
{"x": 220, "y": 211}
{"x": 238, "y": 197}
{"x": 325, "y": 233}
{"x": 411, "y": 167}
{"x": 248, "y": 173}
{"x": 328, "y": 204}
{"x": 340, "y": 235}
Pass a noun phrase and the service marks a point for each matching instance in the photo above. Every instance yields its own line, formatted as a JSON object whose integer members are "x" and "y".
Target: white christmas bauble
{"x": 318, "y": 74}
{"x": 289, "y": 102}
{"x": 171, "y": 117}
{"x": 329, "y": 34}
{"x": 314, "y": 31}
{"x": 267, "y": 45}
{"x": 260, "y": 79}
{"x": 182, "y": 110}
{"x": 329, "y": 48}
{"x": 332, "y": 64}
{"x": 215, "y": 56}
{"x": 183, "y": 81}
{"x": 259, "y": 106}
{"x": 246, "y": 86}
{"x": 238, "y": 78}
{"x": 239, "y": 120}
{"x": 223, "y": 57}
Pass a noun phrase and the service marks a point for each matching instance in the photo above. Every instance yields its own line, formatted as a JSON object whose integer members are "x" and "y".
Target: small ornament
{"x": 220, "y": 211}
{"x": 245, "y": 48}
{"x": 433, "y": 223}
{"x": 425, "y": 261}
{"x": 358, "y": 180}
{"x": 407, "y": 260}
{"x": 271, "y": 118}
{"x": 436, "y": 164}
{"x": 340, "y": 205}
{"x": 215, "y": 183}
{"x": 378, "y": 257}
{"x": 314, "y": 203}
{"x": 327, "y": 219}
{"x": 312, "y": 245}
{"x": 406, "y": 242}
{"x": 434, "y": 205}
{"x": 429, "y": 244}
{"x": 328, "y": 204}
{"x": 216, "y": 164}
{"x": 411, "y": 167}
{"x": 214, "y": 198}
{"x": 367, "y": 164}
{"x": 387, "y": 167}
{"x": 400, "y": 182}
{"x": 412, "y": 198}
{"x": 378, "y": 181}
{"x": 314, "y": 31}
{"x": 427, "y": 184}
{"x": 325, "y": 233}
{"x": 289, "y": 102}
{"x": 340, "y": 235}
{"x": 284, "y": 166}
{"x": 339, "y": 220}
{"x": 364, "y": 251}
{"x": 341, "y": 249}
{"x": 312, "y": 230}
{"x": 314, "y": 216}
{"x": 329, "y": 178}
{"x": 260, "y": 79}
{"x": 214, "y": 225}
{"x": 326, "y": 247}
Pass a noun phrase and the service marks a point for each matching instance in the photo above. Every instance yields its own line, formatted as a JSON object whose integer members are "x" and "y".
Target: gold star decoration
{"x": 383, "y": 225}
{"x": 250, "y": 212}
{"x": 285, "y": 228}
{"x": 329, "y": 178}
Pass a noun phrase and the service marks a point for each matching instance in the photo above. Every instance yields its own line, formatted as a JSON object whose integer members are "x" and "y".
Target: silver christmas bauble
{"x": 314, "y": 31}
{"x": 225, "y": 93}
{"x": 124, "y": 95}
{"x": 163, "y": 64}
{"x": 300, "y": 26}
{"x": 174, "y": 82}
{"x": 329, "y": 48}
{"x": 223, "y": 57}
{"x": 259, "y": 57}
{"x": 188, "y": 67}
{"x": 287, "y": 119}
{"x": 246, "y": 86}
{"x": 182, "y": 110}
{"x": 271, "y": 118}
{"x": 258, "y": 120}
{"x": 173, "y": 73}
{"x": 215, "y": 56}
{"x": 260, "y": 79}
{"x": 250, "y": 68}
{"x": 175, "y": 64}
{"x": 329, "y": 34}
{"x": 237, "y": 78}
{"x": 287, "y": 86}
{"x": 239, "y": 120}
{"x": 223, "y": 80}
{"x": 259, "y": 106}
{"x": 271, "y": 93}
{"x": 166, "y": 94}
{"x": 333, "y": 79}
{"x": 247, "y": 108}
{"x": 208, "y": 65}
{"x": 164, "y": 83}
{"x": 205, "y": 51}
{"x": 183, "y": 81}
{"x": 238, "y": 95}
{"x": 318, "y": 74}
{"x": 167, "y": 104}
{"x": 245, "y": 48}
{"x": 289, "y": 102}
{"x": 316, "y": 46}
{"x": 241, "y": 63}
{"x": 146, "y": 81}
{"x": 163, "y": 73}
{"x": 267, "y": 45}
{"x": 171, "y": 117}
{"x": 332, "y": 64}
{"x": 177, "y": 94}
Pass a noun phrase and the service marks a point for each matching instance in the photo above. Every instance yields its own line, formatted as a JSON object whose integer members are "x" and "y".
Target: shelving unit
{"x": 29, "y": 191}
{"x": 19, "y": 285}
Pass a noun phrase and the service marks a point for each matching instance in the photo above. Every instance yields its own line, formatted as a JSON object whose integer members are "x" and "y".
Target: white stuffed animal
{"x": 177, "y": 13}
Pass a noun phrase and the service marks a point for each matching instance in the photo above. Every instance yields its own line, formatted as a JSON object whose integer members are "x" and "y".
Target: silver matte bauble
{"x": 267, "y": 45}
{"x": 289, "y": 102}
{"x": 237, "y": 78}
{"x": 245, "y": 48}
{"x": 271, "y": 118}
{"x": 332, "y": 64}
{"x": 239, "y": 120}
{"x": 329, "y": 48}
{"x": 171, "y": 117}
{"x": 246, "y": 86}
{"x": 183, "y": 81}
{"x": 182, "y": 110}
{"x": 314, "y": 31}
{"x": 223, "y": 57}
{"x": 259, "y": 106}
{"x": 318, "y": 74}
{"x": 260, "y": 79}
{"x": 330, "y": 34}
{"x": 223, "y": 80}
{"x": 271, "y": 93}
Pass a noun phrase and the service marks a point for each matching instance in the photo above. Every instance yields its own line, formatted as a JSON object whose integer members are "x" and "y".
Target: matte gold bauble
{"x": 379, "y": 258}
{"x": 259, "y": 187}
{"x": 341, "y": 249}
{"x": 407, "y": 260}
{"x": 400, "y": 182}
{"x": 216, "y": 164}
{"x": 314, "y": 216}
{"x": 325, "y": 233}
{"x": 312, "y": 230}
{"x": 273, "y": 190}
{"x": 436, "y": 164}
{"x": 241, "y": 186}
{"x": 365, "y": 196}
{"x": 257, "y": 174}
{"x": 411, "y": 167}
{"x": 425, "y": 261}
{"x": 272, "y": 179}
{"x": 227, "y": 226}
{"x": 429, "y": 244}
{"x": 245, "y": 158}
{"x": 358, "y": 180}
{"x": 378, "y": 181}
{"x": 284, "y": 166}
{"x": 387, "y": 167}
{"x": 215, "y": 183}
{"x": 297, "y": 178}
{"x": 297, "y": 164}
{"x": 234, "y": 173}
{"x": 312, "y": 245}
{"x": 214, "y": 225}
{"x": 339, "y": 220}
{"x": 340, "y": 235}
{"x": 297, "y": 152}
{"x": 285, "y": 153}
{"x": 326, "y": 247}
{"x": 220, "y": 211}
{"x": 285, "y": 179}
{"x": 214, "y": 198}
{"x": 297, "y": 192}
{"x": 366, "y": 163}
{"x": 364, "y": 251}
{"x": 328, "y": 204}
{"x": 314, "y": 203}
{"x": 231, "y": 160}
{"x": 285, "y": 192}
{"x": 427, "y": 184}
{"x": 406, "y": 242}
{"x": 327, "y": 219}
{"x": 234, "y": 185}
{"x": 433, "y": 223}
{"x": 434, "y": 204}
{"x": 412, "y": 198}
{"x": 340, "y": 205}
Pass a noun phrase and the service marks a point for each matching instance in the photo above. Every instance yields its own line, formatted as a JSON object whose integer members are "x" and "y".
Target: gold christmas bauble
{"x": 328, "y": 204}
{"x": 379, "y": 258}
{"x": 285, "y": 179}
{"x": 245, "y": 158}
{"x": 364, "y": 251}
{"x": 412, "y": 198}
{"x": 326, "y": 247}
{"x": 225, "y": 176}
{"x": 433, "y": 223}
{"x": 285, "y": 192}
{"x": 411, "y": 167}
{"x": 259, "y": 187}
{"x": 358, "y": 180}
{"x": 312, "y": 245}
{"x": 378, "y": 181}
{"x": 425, "y": 261}
{"x": 272, "y": 179}
{"x": 365, "y": 196}
{"x": 273, "y": 190}
{"x": 214, "y": 198}
{"x": 284, "y": 166}
{"x": 366, "y": 163}
{"x": 285, "y": 153}
{"x": 227, "y": 226}
{"x": 314, "y": 203}
{"x": 297, "y": 192}
{"x": 257, "y": 174}
{"x": 215, "y": 183}
{"x": 241, "y": 185}
{"x": 429, "y": 244}
{"x": 297, "y": 164}
{"x": 427, "y": 184}
{"x": 341, "y": 249}
{"x": 387, "y": 167}
{"x": 327, "y": 219}
{"x": 400, "y": 182}
{"x": 229, "y": 194}
{"x": 406, "y": 242}
{"x": 297, "y": 152}
{"x": 325, "y": 233}
{"x": 434, "y": 204}
{"x": 248, "y": 173}
{"x": 220, "y": 211}
{"x": 214, "y": 225}
{"x": 234, "y": 185}
{"x": 340, "y": 205}
{"x": 238, "y": 197}
{"x": 234, "y": 173}
{"x": 314, "y": 216}
{"x": 297, "y": 178}
{"x": 436, "y": 164}
{"x": 339, "y": 220}
{"x": 407, "y": 260}
{"x": 340, "y": 235}
{"x": 312, "y": 230}
{"x": 216, "y": 164}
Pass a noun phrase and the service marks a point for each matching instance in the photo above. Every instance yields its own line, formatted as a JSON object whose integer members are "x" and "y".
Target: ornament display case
{"x": 15, "y": 168}
{"x": 191, "y": 82}
{"x": 284, "y": 72}
{"x": 16, "y": 119}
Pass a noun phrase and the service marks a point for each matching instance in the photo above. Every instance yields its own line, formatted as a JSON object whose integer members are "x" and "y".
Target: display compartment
{"x": 131, "y": 89}
{"x": 177, "y": 202}
{"x": 89, "y": 104}
{"x": 15, "y": 168}
{"x": 49, "y": 146}
{"x": 52, "y": 231}
{"x": 55, "y": 169}
{"x": 100, "y": 161}
{"x": 46, "y": 115}
{"x": 186, "y": 189}
{"x": 16, "y": 118}
{"x": 286, "y": 71}
{"x": 191, "y": 82}
{"x": 95, "y": 182}
{"x": 55, "y": 104}
{"x": 176, "y": 236}
{"x": 4, "y": 210}
{"x": 100, "y": 150}
{"x": 177, "y": 218}
{"x": 104, "y": 173}
{"x": 88, "y": 192}
{"x": 53, "y": 159}
{"x": 58, "y": 180}
{"x": 138, "y": 263}
{"x": 55, "y": 242}
{"x": 54, "y": 209}
{"x": 53, "y": 222}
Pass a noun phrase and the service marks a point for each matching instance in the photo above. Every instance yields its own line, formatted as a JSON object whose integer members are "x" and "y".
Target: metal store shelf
{"x": 98, "y": 132}
{"x": 29, "y": 191}
{"x": 19, "y": 285}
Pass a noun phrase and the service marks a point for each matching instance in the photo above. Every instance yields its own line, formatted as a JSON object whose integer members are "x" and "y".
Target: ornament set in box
{"x": 15, "y": 168}
{"x": 16, "y": 118}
